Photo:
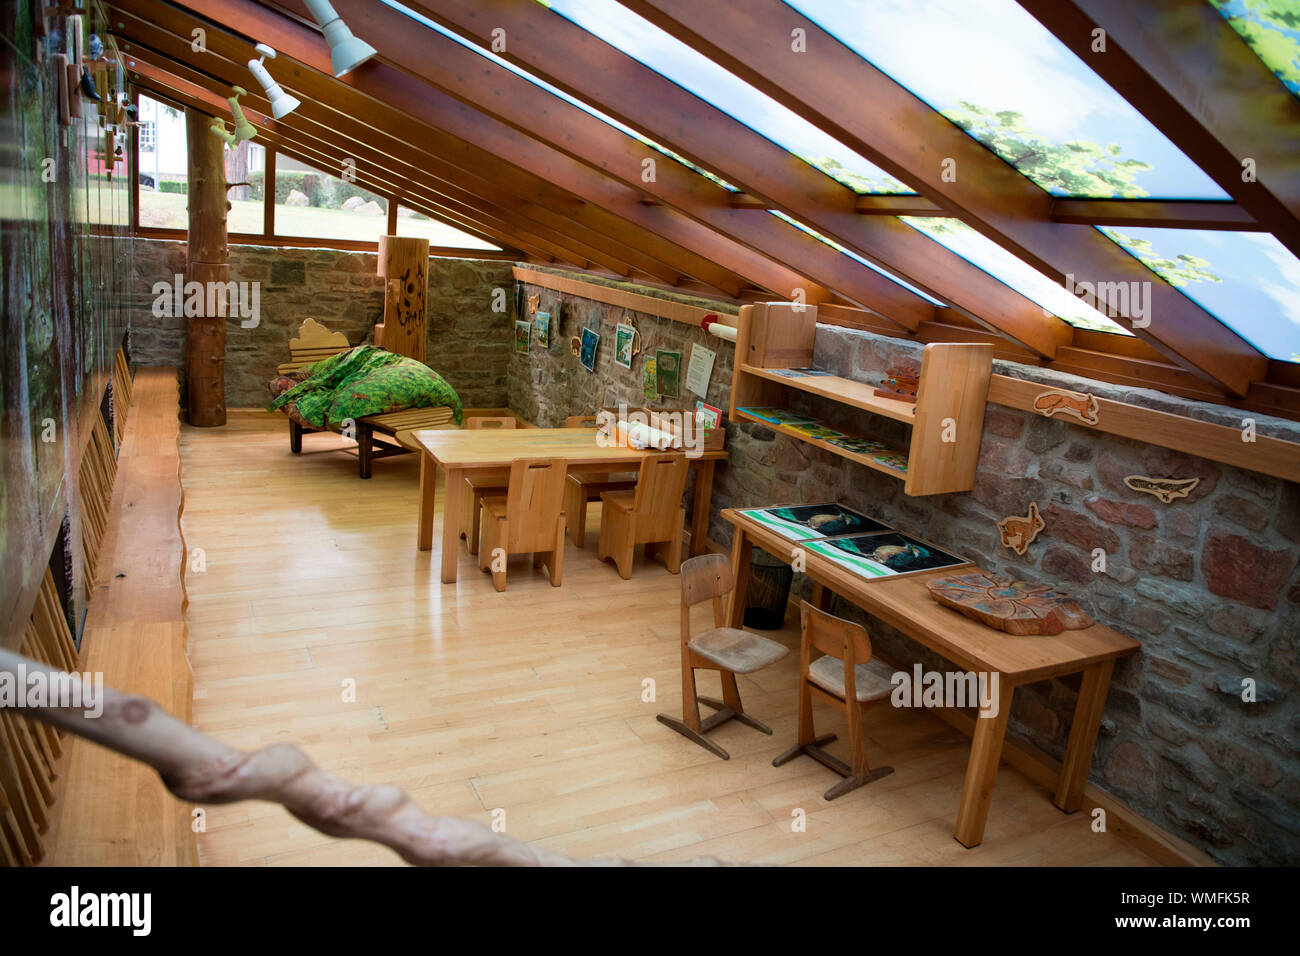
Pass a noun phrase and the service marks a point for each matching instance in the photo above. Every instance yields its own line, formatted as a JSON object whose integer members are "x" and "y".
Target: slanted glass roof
{"x": 1054, "y": 299}
{"x": 1272, "y": 29}
{"x": 999, "y": 74}
{"x": 1247, "y": 280}
{"x": 691, "y": 70}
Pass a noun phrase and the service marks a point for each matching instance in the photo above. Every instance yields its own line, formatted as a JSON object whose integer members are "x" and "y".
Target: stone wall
{"x": 468, "y": 343}
{"x": 1208, "y": 584}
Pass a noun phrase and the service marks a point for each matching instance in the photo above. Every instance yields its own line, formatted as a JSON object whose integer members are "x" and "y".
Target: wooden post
{"x": 206, "y": 262}
{"x": 404, "y": 264}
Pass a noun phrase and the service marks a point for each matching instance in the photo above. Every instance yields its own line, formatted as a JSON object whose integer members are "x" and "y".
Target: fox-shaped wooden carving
{"x": 1080, "y": 406}
{"x": 1019, "y": 533}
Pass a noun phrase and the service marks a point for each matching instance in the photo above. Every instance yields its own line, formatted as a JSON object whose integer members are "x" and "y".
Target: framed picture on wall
{"x": 543, "y": 323}
{"x": 668, "y": 367}
{"x": 522, "y": 327}
{"x": 624, "y": 345}
{"x": 587, "y": 352}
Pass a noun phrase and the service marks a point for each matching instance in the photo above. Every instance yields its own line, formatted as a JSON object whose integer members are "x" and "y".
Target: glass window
{"x": 1272, "y": 29}
{"x": 246, "y": 163}
{"x": 164, "y": 169}
{"x": 995, "y": 71}
{"x": 1247, "y": 280}
{"x": 311, "y": 204}
{"x": 980, "y": 251}
{"x": 412, "y": 223}
{"x": 693, "y": 71}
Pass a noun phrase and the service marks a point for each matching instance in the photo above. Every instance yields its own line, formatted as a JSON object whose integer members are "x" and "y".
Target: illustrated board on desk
{"x": 884, "y": 554}
{"x": 801, "y": 522}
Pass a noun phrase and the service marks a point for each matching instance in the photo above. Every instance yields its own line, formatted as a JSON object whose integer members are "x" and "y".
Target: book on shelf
{"x": 818, "y": 430}
{"x": 778, "y": 416}
{"x": 804, "y": 372}
{"x": 801, "y": 522}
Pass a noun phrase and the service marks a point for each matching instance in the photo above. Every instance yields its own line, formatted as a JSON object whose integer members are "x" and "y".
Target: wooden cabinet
{"x": 945, "y": 423}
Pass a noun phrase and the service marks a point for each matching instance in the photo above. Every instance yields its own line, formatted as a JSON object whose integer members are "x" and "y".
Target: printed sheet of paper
{"x": 700, "y": 369}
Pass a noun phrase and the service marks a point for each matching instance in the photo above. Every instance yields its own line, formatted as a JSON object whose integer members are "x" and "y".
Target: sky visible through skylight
{"x": 1247, "y": 280}
{"x": 668, "y": 56}
{"x": 980, "y": 61}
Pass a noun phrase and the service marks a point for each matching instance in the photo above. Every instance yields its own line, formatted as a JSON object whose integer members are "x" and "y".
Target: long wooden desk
{"x": 904, "y": 602}
{"x": 461, "y": 453}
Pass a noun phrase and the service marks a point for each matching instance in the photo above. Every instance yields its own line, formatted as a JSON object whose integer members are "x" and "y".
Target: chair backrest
{"x": 315, "y": 342}
{"x": 659, "y": 487}
{"x": 835, "y": 636}
{"x": 533, "y": 503}
{"x": 580, "y": 421}
{"x": 494, "y": 421}
{"x": 705, "y": 577}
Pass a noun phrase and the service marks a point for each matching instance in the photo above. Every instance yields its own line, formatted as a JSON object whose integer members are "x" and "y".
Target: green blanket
{"x": 365, "y": 381}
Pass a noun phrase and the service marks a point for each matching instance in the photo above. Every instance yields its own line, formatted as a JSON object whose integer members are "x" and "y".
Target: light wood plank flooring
{"x": 528, "y": 701}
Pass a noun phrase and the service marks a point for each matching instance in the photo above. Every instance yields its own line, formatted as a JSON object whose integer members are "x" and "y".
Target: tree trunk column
{"x": 404, "y": 265}
{"x": 207, "y": 261}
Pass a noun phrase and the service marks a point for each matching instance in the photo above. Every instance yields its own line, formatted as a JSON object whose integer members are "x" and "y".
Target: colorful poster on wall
{"x": 522, "y": 327}
{"x": 650, "y": 381}
{"x": 587, "y": 353}
{"x": 624, "y": 345}
{"x": 668, "y": 371}
{"x": 543, "y": 323}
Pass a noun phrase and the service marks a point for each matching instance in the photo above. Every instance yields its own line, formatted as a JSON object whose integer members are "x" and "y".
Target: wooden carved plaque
{"x": 1016, "y": 607}
{"x": 1166, "y": 489}
{"x": 1075, "y": 404}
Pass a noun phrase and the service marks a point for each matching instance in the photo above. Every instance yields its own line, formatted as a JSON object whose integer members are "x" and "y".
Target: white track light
{"x": 346, "y": 51}
{"x": 282, "y": 104}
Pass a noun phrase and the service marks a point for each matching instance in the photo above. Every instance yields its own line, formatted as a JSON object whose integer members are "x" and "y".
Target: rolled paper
{"x": 638, "y": 435}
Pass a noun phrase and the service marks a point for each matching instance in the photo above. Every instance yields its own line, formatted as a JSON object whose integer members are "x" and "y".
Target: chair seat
{"x": 872, "y": 678}
{"x": 593, "y": 486}
{"x": 738, "y": 651}
{"x": 622, "y": 500}
{"x": 500, "y": 480}
{"x": 495, "y": 506}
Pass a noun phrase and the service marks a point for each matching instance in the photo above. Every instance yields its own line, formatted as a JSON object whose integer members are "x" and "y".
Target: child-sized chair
{"x": 651, "y": 515}
{"x": 846, "y": 675}
{"x": 528, "y": 519}
{"x": 724, "y": 649}
{"x": 579, "y": 490}
{"x": 478, "y": 487}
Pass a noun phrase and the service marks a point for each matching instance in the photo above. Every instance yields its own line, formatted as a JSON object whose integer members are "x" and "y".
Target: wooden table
{"x": 461, "y": 453}
{"x": 904, "y": 602}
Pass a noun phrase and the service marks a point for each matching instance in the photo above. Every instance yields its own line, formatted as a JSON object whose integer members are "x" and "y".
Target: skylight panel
{"x": 1247, "y": 280}
{"x": 995, "y": 71}
{"x": 1272, "y": 29}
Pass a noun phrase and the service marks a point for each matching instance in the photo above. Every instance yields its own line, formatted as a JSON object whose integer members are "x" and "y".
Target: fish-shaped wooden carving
{"x": 1080, "y": 406}
{"x": 1019, "y": 533}
{"x": 1166, "y": 489}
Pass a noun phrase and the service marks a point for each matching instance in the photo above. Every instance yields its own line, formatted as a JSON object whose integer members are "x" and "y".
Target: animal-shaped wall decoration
{"x": 1166, "y": 489}
{"x": 1075, "y": 404}
{"x": 1019, "y": 533}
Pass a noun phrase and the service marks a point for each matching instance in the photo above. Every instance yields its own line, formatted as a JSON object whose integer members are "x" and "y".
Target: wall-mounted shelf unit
{"x": 946, "y": 421}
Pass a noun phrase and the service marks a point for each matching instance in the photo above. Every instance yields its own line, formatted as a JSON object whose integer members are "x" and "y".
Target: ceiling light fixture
{"x": 346, "y": 51}
{"x": 282, "y": 104}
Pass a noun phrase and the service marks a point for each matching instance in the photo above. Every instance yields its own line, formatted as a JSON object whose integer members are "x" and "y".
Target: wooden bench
{"x": 316, "y": 342}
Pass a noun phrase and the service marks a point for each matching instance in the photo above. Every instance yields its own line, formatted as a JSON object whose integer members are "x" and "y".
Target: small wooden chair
{"x": 478, "y": 487}
{"x": 580, "y": 490}
{"x": 724, "y": 649}
{"x": 847, "y": 676}
{"x": 651, "y": 515}
{"x": 528, "y": 519}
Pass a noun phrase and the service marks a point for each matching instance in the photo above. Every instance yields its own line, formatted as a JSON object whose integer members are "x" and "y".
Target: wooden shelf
{"x": 853, "y": 456}
{"x": 947, "y": 421}
{"x": 843, "y": 390}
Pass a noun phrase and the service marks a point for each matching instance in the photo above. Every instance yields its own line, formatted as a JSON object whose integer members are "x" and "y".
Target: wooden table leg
{"x": 1083, "y": 735}
{"x": 451, "y": 522}
{"x": 428, "y": 482}
{"x": 741, "y": 548}
{"x": 703, "y": 499}
{"x": 982, "y": 770}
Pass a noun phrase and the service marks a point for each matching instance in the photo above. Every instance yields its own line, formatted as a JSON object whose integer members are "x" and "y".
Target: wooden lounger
{"x": 316, "y": 342}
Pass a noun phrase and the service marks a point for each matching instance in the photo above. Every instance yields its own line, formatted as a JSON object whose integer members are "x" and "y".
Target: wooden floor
{"x": 528, "y": 701}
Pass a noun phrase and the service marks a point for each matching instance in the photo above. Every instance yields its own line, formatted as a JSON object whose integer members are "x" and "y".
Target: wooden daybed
{"x": 315, "y": 342}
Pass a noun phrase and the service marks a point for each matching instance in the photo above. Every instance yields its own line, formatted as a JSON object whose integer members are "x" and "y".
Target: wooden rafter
{"x": 910, "y": 140}
{"x": 770, "y": 175}
{"x": 500, "y": 95}
{"x": 1182, "y": 66}
{"x": 1154, "y": 213}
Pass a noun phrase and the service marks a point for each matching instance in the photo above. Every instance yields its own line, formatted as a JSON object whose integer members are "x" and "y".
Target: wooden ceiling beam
{"x": 529, "y": 109}
{"x": 1184, "y": 67}
{"x": 770, "y": 175}
{"x": 393, "y": 145}
{"x": 1154, "y": 213}
{"x": 475, "y": 142}
{"x": 845, "y": 96}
